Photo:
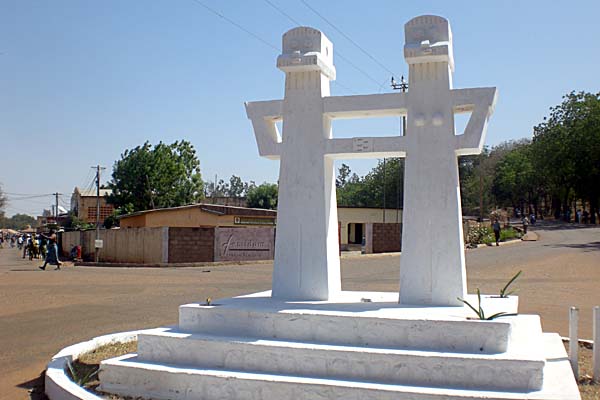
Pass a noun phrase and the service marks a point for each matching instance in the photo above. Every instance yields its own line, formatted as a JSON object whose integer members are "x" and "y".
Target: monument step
{"x": 510, "y": 370}
{"x": 127, "y": 376}
{"x": 370, "y": 319}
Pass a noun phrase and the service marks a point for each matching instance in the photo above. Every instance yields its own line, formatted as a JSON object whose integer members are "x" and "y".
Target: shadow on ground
{"x": 36, "y": 387}
{"x": 559, "y": 225}
{"x": 592, "y": 246}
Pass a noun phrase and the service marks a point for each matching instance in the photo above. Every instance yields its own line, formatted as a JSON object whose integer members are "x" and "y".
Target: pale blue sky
{"x": 83, "y": 80}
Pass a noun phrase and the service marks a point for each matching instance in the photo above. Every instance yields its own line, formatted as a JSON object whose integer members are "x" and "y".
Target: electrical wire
{"x": 28, "y": 197}
{"x": 348, "y": 38}
{"x": 232, "y": 22}
{"x": 337, "y": 53}
{"x": 254, "y": 35}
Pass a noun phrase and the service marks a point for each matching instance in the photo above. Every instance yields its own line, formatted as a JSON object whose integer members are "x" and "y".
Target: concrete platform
{"x": 355, "y": 318}
{"x": 509, "y": 370}
{"x": 363, "y": 345}
{"x": 128, "y": 376}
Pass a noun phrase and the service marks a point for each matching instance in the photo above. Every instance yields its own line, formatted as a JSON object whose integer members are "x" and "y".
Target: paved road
{"x": 43, "y": 311}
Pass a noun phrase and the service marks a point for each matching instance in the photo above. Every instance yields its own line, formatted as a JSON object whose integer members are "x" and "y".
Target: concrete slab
{"x": 509, "y": 370}
{"x": 373, "y": 319}
{"x": 128, "y": 376}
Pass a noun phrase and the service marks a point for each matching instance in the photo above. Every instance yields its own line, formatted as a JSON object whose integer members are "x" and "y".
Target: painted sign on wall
{"x": 244, "y": 244}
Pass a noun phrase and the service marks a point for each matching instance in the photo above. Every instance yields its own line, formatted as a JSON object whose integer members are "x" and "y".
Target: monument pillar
{"x": 307, "y": 265}
{"x": 432, "y": 269}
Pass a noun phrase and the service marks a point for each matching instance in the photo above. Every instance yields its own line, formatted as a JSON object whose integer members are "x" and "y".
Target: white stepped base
{"x": 128, "y": 377}
{"x": 350, "y": 321}
{"x": 511, "y": 370}
{"x": 255, "y": 347}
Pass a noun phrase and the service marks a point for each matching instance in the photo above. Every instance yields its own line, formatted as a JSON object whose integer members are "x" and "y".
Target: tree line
{"x": 557, "y": 172}
{"x": 168, "y": 175}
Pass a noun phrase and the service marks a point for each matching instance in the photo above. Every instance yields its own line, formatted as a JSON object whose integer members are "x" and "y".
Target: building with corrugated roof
{"x": 84, "y": 202}
{"x": 199, "y": 215}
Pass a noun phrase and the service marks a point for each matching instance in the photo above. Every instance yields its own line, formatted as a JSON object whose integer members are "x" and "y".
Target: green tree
{"x": 263, "y": 196}
{"x": 237, "y": 187}
{"x": 74, "y": 222}
{"x": 343, "y": 176}
{"x": 156, "y": 177}
{"x": 388, "y": 178}
{"x": 17, "y": 221}
{"x": 566, "y": 150}
{"x": 515, "y": 182}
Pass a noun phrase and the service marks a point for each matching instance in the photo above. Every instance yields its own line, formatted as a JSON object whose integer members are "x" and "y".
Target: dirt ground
{"x": 44, "y": 311}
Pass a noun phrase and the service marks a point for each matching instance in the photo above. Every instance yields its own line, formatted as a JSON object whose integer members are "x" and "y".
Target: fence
{"x": 574, "y": 342}
{"x": 174, "y": 245}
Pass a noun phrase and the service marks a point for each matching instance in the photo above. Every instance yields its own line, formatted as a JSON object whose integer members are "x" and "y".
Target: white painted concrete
{"x": 306, "y": 256}
{"x": 596, "y": 348}
{"x": 574, "y": 340}
{"x": 310, "y": 340}
{"x": 350, "y": 321}
{"x": 128, "y": 376}
{"x": 307, "y": 264}
{"x": 510, "y": 370}
{"x": 432, "y": 268}
{"x": 58, "y": 386}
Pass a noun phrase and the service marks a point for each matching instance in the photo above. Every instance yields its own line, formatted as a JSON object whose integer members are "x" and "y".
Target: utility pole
{"x": 384, "y": 190}
{"x": 56, "y": 207}
{"x": 403, "y": 85}
{"x": 97, "y": 247}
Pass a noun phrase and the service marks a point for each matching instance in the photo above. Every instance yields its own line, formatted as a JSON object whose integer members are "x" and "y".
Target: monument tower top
{"x": 428, "y": 38}
{"x": 306, "y": 49}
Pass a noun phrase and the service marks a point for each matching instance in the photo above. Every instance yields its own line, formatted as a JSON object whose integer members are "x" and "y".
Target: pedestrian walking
{"x": 52, "y": 251}
{"x": 525, "y": 222}
{"x": 496, "y": 228}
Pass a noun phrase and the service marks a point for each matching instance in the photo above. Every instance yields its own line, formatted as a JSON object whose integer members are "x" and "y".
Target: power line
{"x": 27, "y": 194}
{"x": 347, "y": 37}
{"x": 232, "y": 22}
{"x": 337, "y": 53}
{"x": 87, "y": 178}
{"x": 28, "y": 201}
{"x": 283, "y": 13}
{"x": 254, "y": 35}
{"x": 28, "y": 197}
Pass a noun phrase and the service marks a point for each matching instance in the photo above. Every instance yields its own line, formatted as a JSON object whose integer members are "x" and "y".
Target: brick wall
{"x": 191, "y": 244}
{"x": 387, "y": 237}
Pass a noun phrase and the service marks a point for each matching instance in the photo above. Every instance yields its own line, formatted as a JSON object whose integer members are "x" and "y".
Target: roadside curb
{"x": 512, "y": 241}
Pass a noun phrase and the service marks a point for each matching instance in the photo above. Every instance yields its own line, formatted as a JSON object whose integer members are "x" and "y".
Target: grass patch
{"x": 509, "y": 234}
{"x": 588, "y": 389}
{"x": 84, "y": 370}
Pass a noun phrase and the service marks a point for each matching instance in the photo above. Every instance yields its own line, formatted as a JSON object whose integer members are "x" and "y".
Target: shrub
{"x": 509, "y": 233}
{"x": 480, "y": 234}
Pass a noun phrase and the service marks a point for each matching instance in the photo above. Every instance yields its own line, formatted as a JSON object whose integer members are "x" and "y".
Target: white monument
{"x": 306, "y": 256}
{"x": 307, "y": 339}
{"x": 433, "y": 259}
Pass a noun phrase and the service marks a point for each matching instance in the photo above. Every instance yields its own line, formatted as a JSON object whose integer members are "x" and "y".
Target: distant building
{"x": 199, "y": 215}
{"x": 227, "y": 201}
{"x": 352, "y": 220}
{"x": 83, "y": 204}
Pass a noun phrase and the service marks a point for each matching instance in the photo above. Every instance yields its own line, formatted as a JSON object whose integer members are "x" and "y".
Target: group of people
{"x": 582, "y": 217}
{"x": 35, "y": 246}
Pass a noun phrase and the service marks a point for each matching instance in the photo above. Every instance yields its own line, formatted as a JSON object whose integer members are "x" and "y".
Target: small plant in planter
{"x": 479, "y": 310}
{"x": 504, "y": 293}
{"x": 81, "y": 375}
